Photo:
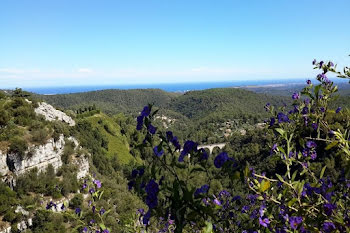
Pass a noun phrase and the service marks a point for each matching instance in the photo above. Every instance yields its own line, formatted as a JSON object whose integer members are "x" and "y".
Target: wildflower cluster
{"x": 166, "y": 180}
{"x": 301, "y": 197}
{"x": 92, "y": 220}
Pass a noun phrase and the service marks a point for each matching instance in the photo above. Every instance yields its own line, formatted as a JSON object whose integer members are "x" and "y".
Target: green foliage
{"x": 111, "y": 101}
{"x": 18, "y": 146}
{"x": 46, "y": 221}
{"x": 76, "y": 201}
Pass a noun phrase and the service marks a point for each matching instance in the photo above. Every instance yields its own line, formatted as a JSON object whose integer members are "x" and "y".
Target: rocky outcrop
{"x": 4, "y": 169}
{"x": 83, "y": 166}
{"x": 39, "y": 157}
{"x": 6, "y": 230}
{"x": 81, "y": 162}
{"x": 52, "y": 114}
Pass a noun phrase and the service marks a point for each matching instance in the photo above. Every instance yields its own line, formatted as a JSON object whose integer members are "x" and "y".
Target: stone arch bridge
{"x": 212, "y": 146}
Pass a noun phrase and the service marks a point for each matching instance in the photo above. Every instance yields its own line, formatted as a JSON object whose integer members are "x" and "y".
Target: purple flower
{"x": 131, "y": 184}
{"x": 217, "y": 202}
{"x": 97, "y": 183}
{"x": 176, "y": 143}
{"x": 321, "y": 64}
{"x": 282, "y": 117}
{"x": 322, "y": 109}
{"x": 134, "y": 173}
{"x": 146, "y": 111}
{"x": 305, "y": 152}
{"x": 139, "y": 122}
{"x": 151, "y": 201}
{"x": 152, "y": 187}
{"x": 272, "y": 121}
{"x": 169, "y": 135}
{"x": 305, "y": 110}
{"x": 188, "y": 147}
{"x": 102, "y": 211}
{"x": 295, "y": 221}
{"x": 311, "y": 144}
{"x": 84, "y": 186}
{"x": 307, "y": 101}
{"x": 313, "y": 155}
{"x": 328, "y": 227}
{"x": 267, "y": 106}
{"x": 157, "y": 151}
{"x": 77, "y": 210}
{"x": 204, "y": 155}
{"x": 85, "y": 229}
{"x": 146, "y": 218}
{"x": 308, "y": 82}
{"x": 314, "y": 126}
{"x": 203, "y": 189}
{"x": 264, "y": 222}
{"x": 330, "y": 64}
{"x": 328, "y": 208}
{"x": 295, "y": 96}
{"x": 141, "y": 171}
{"x": 338, "y": 110}
{"x": 220, "y": 160}
{"x": 152, "y": 129}
{"x": 92, "y": 190}
{"x": 314, "y": 62}
{"x": 273, "y": 148}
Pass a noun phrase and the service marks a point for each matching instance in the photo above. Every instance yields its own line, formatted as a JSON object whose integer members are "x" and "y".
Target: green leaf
{"x": 291, "y": 202}
{"x": 322, "y": 171}
{"x": 265, "y": 185}
{"x": 197, "y": 169}
{"x": 331, "y": 145}
{"x": 294, "y": 175}
{"x": 280, "y": 131}
{"x": 103, "y": 227}
{"x": 246, "y": 171}
{"x": 280, "y": 177}
{"x": 208, "y": 228}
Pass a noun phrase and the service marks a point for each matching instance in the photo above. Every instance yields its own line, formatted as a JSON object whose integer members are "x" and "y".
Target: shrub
{"x": 18, "y": 146}
{"x": 76, "y": 201}
{"x": 39, "y": 135}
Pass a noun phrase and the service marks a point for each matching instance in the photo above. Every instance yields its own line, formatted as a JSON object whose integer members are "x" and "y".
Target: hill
{"x": 111, "y": 101}
{"x": 228, "y": 101}
{"x": 117, "y": 143}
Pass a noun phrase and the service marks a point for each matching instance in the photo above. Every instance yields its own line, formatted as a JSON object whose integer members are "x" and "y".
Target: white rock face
{"x": 6, "y": 230}
{"x": 81, "y": 162}
{"x": 83, "y": 166}
{"x": 42, "y": 156}
{"x": 4, "y": 170}
{"x": 51, "y": 114}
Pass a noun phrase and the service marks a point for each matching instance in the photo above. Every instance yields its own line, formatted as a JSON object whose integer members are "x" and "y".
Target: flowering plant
{"x": 302, "y": 198}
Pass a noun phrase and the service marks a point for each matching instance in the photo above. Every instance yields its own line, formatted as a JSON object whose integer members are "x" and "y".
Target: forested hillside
{"x": 111, "y": 101}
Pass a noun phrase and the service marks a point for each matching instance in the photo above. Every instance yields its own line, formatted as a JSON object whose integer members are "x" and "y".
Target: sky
{"x": 66, "y": 43}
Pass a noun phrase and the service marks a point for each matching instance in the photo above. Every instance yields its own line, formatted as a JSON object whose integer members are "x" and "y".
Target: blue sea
{"x": 170, "y": 87}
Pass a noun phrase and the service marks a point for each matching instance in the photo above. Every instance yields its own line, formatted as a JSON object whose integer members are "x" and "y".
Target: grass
{"x": 117, "y": 143}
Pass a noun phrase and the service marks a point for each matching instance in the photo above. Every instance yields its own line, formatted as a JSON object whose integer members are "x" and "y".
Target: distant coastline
{"x": 169, "y": 87}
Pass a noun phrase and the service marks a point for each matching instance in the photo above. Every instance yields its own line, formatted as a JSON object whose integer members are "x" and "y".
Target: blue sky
{"x": 58, "y": 43}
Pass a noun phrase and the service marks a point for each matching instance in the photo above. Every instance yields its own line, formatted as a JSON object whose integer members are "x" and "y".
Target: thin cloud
{"x": 84, "y": 70}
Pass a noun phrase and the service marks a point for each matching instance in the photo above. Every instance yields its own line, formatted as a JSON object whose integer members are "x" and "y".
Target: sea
{"x": 169, "y": 87}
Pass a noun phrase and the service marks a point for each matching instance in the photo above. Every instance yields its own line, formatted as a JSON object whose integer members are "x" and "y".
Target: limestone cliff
{"x": 51, "y": 114}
